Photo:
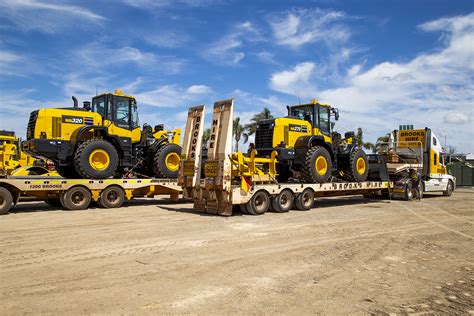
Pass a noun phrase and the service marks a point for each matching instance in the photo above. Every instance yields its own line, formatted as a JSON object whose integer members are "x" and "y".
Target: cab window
{"x": 303, "y": 113}
{"x": 135, "y": 122}
{"x": 324, "y": 126}
{"x": 98, "y": 105}
{"x": 122, "y": 112}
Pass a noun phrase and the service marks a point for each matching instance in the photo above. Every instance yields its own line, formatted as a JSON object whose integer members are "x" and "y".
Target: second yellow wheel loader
{"x": 102, "y": 140}
{"x": 308, "y": 148}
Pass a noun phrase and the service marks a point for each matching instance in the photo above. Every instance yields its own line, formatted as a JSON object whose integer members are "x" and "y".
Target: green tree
{"x": 252, "y": 126}
{"x": 206, "y": 136}
{"x": 359, "y": 140}
{"x": 381, "y": 144}
{"x": 238, "y": 131}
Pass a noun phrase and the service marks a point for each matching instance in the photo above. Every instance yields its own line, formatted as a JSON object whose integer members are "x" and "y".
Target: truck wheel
{"x": 304, "y": 201}
{"x": 282, "y": 202}
{"x": 449, "y": 189}
{"x": 6, "y": 201}
{"x": 243, "y": 209}
{"x": 358, "y": 168}
{"x": 112, "y": 197}
{"x": 96, "y": 159}
{"x": 317, "y": 165}
{"x": 259, "y": 203}
{"x": 76, "y": 198}
{"x": 166, "y": 161}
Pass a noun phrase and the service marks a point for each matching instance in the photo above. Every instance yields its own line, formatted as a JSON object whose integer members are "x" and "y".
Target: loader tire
{"x": 166, "y": 161}
{"x": 96, "y": 159}
{"x": 357, "y": 169}
{"x": 317, "y": 165}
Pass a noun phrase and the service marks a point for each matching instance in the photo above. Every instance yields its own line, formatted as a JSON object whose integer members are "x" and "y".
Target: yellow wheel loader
{"x": 307, "y": 147}
{"x": 102, "y": 139}
{"x": 11, "y": 158}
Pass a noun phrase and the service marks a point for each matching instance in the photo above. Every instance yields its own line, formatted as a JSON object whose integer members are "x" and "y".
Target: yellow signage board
{"x": 211, "y": 168}
{"x": 411, "y": 138}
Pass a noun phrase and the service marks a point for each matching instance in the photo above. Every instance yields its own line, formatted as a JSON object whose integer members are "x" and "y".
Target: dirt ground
{"x": 348, "y": 255}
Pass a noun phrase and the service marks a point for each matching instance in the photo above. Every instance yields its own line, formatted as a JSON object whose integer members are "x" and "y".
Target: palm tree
{"x": 206, "y": 136}
{"x": 381, "y": 144}
{"x": 359, "y": 140}
{"x": 252, "y": 127}
{"x": 238, "y": 132}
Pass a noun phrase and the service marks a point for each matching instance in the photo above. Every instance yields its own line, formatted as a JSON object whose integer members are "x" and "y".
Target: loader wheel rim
{"x": 172, "y": 161}
{"x": 360, "y": 165}
{"x": 99, "y": 159}
{"x": 321, "y": 165}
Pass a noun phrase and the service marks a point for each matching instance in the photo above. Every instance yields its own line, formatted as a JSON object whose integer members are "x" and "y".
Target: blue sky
{"x": 382, "y": 63}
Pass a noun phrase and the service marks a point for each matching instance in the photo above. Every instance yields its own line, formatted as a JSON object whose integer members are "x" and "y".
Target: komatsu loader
{"x": 102, "y": 139}
{"x": 308, "y": 148}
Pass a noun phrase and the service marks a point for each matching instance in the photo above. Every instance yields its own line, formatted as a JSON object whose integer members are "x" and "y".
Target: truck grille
{"x": 30, "y": 131}
{"x": 264, "y": 135}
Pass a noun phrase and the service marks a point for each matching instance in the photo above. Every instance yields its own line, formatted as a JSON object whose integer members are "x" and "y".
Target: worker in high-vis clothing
{"x": 416, "y": 182}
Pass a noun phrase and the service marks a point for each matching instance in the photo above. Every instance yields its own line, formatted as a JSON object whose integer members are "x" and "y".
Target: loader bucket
{"x": 377, "y": 168}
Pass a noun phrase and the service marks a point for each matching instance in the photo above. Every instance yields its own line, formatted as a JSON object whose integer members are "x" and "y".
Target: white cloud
{"x": 456, "y": 118}
{"x": 96, "y": 56}
{"x": 304, "y": 26}
{"x": 167, "y": 39}
{"x": 157, "y": 4}
{"x": 199, "y": 89}
{"x": 173, "y": 96}
{"x": 295, "y": 81}
{"x": 45, "y": 16}
{"x": 432, "y": 89}
{"x": 228, "y": 49}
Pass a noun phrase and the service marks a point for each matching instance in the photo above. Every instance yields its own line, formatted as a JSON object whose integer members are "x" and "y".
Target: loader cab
{"x": 119, "y": 113}
{"x": 318, "y": 115}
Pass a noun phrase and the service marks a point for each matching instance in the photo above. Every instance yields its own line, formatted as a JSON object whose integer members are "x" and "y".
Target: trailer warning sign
{"x": 411, "y": 138}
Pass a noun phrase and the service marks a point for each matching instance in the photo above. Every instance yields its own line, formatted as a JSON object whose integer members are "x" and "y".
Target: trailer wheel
{"x": 449, "y": 189}
{"x": 259, "y": 203}
{"x": 6, "y": 201}
{"x": 304, "y": 201}
{"x": 76, "y": 198}
{"x": 282, "y": 202}
{"x": 53, "y": 201}
{"x": 166, "y": 161}
{"x": 243, "y": 208}
{"x": 112, "y": 197}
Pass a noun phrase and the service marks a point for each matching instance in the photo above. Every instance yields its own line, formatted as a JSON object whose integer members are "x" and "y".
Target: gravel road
{"x": 347, "y": 255}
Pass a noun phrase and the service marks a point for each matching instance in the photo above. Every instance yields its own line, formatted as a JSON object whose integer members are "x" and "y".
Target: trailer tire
{"x": 53, "y": 201}
{"x": 357, "y": 169}
{"x": 76, "y": 198}
{"x": 112, "y": 197}
{"x": 6, "y": 201}
{"x": 304, "y": 201}
{"x": 259, "y": 203}
{"x": 282, "y": 202}
{"x": 317, "y": 165}
{"x": 243, "y": 208}
{"x": 449, "y": 189}
{"x": 166, "y": 161}
{"x": 96, "y": 159}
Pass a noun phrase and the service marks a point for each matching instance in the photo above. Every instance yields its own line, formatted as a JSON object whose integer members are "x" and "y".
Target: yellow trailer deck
{"x": 77, "y": 194}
